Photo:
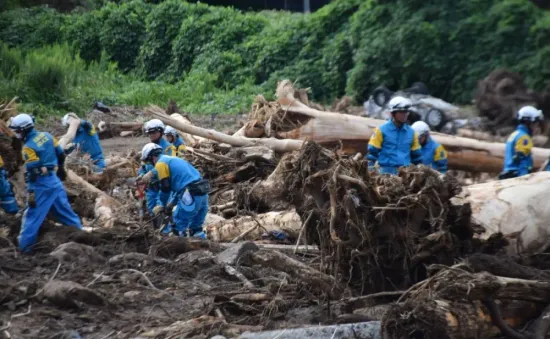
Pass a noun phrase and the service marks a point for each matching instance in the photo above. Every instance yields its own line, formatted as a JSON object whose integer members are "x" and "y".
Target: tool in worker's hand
{"x": 140, "y": 192}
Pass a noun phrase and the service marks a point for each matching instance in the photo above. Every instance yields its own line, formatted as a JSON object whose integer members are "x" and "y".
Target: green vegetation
{"x": 215, "y": 59}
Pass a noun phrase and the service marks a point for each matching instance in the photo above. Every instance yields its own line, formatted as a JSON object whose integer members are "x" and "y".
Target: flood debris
{"x": 300, "y": 234}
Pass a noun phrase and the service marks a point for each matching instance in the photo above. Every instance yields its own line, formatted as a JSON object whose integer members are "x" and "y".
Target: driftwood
{"x": 227, "y": 230}
{"x": 514, "y": 207}
{"x": 457, "y": 304}
{"x": 74, "y": 123}
{"x": 275, "y": 144}
{"x": 104, "y": 204}
{"x": 113, "y": 129}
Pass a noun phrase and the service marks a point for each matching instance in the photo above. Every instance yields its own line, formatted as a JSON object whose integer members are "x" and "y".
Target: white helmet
{"x": 529, "y": 113}
{"x": 421, "y": 128}
{"x": 169, "y": 130}
{"x": 21, "y": 123}
{"x": 65, "y": 120}
{"x": 399, "y": 104}
{"x": 150, "y": 149}
{"x": 154, "y": 125}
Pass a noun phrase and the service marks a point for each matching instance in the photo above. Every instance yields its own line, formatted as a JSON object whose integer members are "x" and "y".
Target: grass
{"x": 52, "y": 81}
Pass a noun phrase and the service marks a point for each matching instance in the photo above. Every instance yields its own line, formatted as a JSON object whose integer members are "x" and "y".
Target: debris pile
{"x": 300, "y": 233}
{"x": 501, "y": 94}
{"x": 377, "y": 233}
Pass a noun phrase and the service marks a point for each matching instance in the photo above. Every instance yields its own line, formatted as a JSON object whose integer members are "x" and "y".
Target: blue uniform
{"x": 190, "y": 211}
{"x": 7, "y": 198}
{"x": 41, "y": 153}
{"x": 434, "y": 155}
{"x": 180, "y": 147}
{"x": 393, "y": 147}
{"x": 88, "y": 142}
{"x": 517, "y": 156}
{"x": 153, "y": 195}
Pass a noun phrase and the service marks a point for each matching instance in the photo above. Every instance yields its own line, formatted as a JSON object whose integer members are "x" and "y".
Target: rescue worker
{"x": 394, "y": 143}
{"x": 188, "y": 201}
{"x": 433, "y": 153}
{"x": 155, "y": 129}
{"x": 87, "y": 141}
{"x": 518, "y": 160}
{"x": 7, "y": 197}
{"x": 174, "y": 138}
{"x": 44, "y": 171}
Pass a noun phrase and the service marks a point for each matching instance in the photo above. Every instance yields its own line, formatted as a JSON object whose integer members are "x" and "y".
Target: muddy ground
{"x": 129, "y": 296}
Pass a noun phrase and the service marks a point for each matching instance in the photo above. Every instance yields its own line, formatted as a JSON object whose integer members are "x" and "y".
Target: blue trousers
{"x": 191, "y": 216}
{"x": 7, "y": 198}
{"x": 50, "y": 195}
{"x": 151, "y": 197}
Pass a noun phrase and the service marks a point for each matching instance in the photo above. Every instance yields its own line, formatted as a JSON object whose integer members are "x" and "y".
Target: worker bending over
{"x": 518, "y": 160}
{"x": 87, "y": 141}
{"x": 174, "y": 138}
{"x": 433, "y": 153}
{"x": 188, "y": 201}
{"x": 44, "y": 165}
{"x": 394, "y": 144}
{"x": 7, "y": 198}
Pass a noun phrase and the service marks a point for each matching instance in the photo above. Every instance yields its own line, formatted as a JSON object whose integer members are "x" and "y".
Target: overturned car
{"x": 433, "y": 111}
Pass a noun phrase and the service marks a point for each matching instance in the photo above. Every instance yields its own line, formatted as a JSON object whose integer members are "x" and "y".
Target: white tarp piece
{"x": 518, "y": 207}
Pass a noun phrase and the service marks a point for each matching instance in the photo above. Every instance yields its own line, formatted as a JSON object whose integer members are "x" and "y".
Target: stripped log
{"x": 104, "y": 204}
{"x": 514, "y": 207}
{"x": 227, "y": 230}
{"x": 74, "y": 124}
{"x": 275, "y": 144}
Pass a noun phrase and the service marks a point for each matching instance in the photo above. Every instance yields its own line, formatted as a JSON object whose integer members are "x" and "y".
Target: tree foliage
{"x": 347, "y": 47}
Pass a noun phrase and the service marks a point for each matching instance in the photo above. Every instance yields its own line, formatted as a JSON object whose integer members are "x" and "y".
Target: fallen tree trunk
{"x": 104, "y": 204}
{"x": 445, "y": 319}
{"x": 457, "y": 304}
{"x": 479, "y": 135}
{"x": 227, "y": 230}
{"x": 74, "y": 124}
{"x": 188, "y": 138}
{"x": 323, "y": 127}
{"x": 514, "y": 207}
{"x": 275, "y": 144}
{"x": 115, "y": 129}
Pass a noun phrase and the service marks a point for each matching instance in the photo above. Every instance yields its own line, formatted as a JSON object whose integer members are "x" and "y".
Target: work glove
{"x": 31, "y": 199}
{"x": 145, "y": 178}
{"x": 61, "y": 173}
{"x": 158, "y": 209}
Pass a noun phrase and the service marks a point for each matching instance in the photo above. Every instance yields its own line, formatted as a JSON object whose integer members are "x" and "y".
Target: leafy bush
{"x": 123, "y": 31}
{"x": 30, "y": 28}
{"x": 207, "y": 56}
{"x": 162, "y": 26}
{"x": 83, "y": 31}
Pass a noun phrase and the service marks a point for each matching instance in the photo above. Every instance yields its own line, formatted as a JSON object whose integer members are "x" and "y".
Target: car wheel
{"x": 381, "y": 95}
{"x": 436, "y": 119}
